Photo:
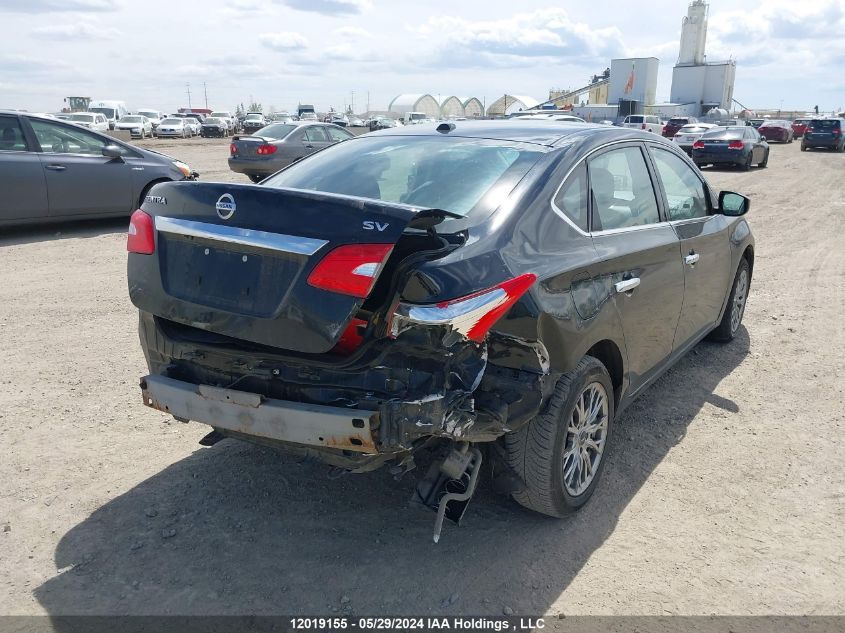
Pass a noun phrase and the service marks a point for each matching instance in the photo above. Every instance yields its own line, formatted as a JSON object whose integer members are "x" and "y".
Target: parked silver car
{"x": 138, "y": 125}
{"x": 172, "y": 126}
{"x": 53, "y": 170}
{"x": 279, "y": 144}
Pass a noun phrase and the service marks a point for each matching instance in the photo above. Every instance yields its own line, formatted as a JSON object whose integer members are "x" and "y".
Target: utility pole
{"x": 188, "y": 87}
{"x": 205, "y": 91}
{"x": 352, "y": 106}
{"x": 368, "y": 101}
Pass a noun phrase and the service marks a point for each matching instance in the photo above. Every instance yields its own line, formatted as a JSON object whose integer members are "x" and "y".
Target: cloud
{"x": 78, "y": 31}
{"x": 353, "y": 32}
{"x": 520, "y": 39}
{"x": 330, "y": 7}
{"x": 50, "y": 6}
{"x": 21, "y": 64}
{"x": 283, "y": 41}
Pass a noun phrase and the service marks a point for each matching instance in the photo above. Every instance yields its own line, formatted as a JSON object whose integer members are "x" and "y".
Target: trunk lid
{"x": 235, "y": 259}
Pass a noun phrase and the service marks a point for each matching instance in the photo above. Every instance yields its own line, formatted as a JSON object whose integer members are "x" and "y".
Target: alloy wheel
{"x": 740, "y": 294}
{"x": 586, "y": 436}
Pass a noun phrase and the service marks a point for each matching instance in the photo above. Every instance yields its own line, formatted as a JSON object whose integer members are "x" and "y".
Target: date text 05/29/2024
{"x": 453, "y": 623}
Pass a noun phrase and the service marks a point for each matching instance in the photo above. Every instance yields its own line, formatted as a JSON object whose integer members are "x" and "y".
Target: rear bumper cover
{"x": 255, "y": 415}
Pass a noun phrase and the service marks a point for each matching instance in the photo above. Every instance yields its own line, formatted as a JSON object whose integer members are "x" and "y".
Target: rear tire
{"x": 735, "y": 309}
{"x": 765, "y": 161}
{"x": 548, "y": 451}
{"x": 747, "y": 165}
{"x": 803, "y": 147}
{"x": 255, "y": 178}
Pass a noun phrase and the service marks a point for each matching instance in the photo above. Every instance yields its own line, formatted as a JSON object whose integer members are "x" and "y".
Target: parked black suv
{"x": 824, "y": 133}
{"x": 489, "y": 290}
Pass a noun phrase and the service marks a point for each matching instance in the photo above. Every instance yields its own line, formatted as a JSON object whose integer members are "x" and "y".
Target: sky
{"x": 333, "y": 53}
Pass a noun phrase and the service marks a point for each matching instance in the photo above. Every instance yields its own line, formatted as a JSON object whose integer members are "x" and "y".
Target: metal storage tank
{"x": 633, "y": 79}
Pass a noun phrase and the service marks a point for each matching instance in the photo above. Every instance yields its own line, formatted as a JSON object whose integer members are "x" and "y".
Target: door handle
{"x": 627, "y": 285}
{"x": 55, "y": 167}
{"x": 691, "y": 259}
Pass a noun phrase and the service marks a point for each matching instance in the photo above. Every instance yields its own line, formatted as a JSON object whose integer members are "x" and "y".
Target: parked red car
{"x": 676, "y": 123}
{"x": 776, "y": 130}
{"x": 799, "y": 127}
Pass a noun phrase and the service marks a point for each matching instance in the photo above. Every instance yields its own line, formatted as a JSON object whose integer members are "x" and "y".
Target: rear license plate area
{"x": 239, "y": 282}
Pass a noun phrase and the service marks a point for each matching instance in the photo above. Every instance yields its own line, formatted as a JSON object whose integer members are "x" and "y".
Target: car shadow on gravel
{"x": 16, "y": 235}
{"x": 239, "y": 529}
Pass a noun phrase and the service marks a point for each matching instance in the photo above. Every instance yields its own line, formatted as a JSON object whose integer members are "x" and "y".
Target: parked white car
{"x": 689, "y": 134}
{"x": 195, "y": 125}
{"x": 174, "y": 126}
{"x": 644, "y": 122}
{"x": 227, "y": 116}
{"x": 91, "y": 120}
{"x": 139, "y": 126}
{"x": 154, "y": 116}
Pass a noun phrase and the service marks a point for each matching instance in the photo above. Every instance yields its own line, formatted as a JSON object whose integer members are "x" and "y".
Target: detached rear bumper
{"x": 254, "y": 415}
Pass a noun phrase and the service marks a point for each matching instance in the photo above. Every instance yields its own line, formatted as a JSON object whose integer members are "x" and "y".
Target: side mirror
{"x": 733, "y": 204}
{"x": 112, "y": 151}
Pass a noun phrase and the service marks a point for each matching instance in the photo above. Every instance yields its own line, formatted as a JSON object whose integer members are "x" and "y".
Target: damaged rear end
{"x": 294, "y": 331}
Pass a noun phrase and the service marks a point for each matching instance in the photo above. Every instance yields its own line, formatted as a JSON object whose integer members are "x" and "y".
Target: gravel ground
{"x": 724, "y": 493}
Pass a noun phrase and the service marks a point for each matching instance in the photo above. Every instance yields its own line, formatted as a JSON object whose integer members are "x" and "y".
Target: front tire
{"x": 732, "y": 318}
{"x": 765, "y": 161}
{"x": 560, "y": 454}
{"x": 255, "y": 178}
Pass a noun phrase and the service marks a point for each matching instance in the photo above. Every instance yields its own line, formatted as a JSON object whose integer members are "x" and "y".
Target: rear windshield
{"x": 441, "y": 173}
{"x": 221, "y": 114}
{"x": 213, "y": 120}
{"x": 82, "y": 117}
{"x": 825, "y": 124}
{"x": 678, "y": 121}
{"x": 725, "y": 132}
{"x": 635, "y": 119}
{"x": 253, "y": 117}
{"x": 692, "y": 127}
{"x": 148, "y": 113}
{"x": 276, "y": 130}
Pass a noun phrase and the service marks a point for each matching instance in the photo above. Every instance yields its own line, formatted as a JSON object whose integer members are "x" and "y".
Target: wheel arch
{"x": 607, "y": 352}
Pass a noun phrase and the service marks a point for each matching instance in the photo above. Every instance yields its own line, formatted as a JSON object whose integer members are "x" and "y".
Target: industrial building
{"x": 440, "y": 107}
{"x": 508, "y": 104}
{"x": 698, "y": 85}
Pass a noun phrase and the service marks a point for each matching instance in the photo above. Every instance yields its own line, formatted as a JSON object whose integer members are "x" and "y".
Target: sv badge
{"x": 370, "y": 225}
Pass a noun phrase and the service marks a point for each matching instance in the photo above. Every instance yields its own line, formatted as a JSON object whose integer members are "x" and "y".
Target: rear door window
{"x": 622, "y": 191}
{"x": 685, "y": 193}
{"x": 571, "y": 199}
{"x": 316, "y": 134}
{"x": 336, "y": 134}
{"x": 11, "y": 135}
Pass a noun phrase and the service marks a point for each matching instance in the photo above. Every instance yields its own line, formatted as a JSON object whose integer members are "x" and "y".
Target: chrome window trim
{"x": 278, "y": 242}
{"x": 584, "y": 158}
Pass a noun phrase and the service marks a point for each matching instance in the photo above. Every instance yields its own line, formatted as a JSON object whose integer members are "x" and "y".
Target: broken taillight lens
{"x": 351, "y": 269}
{"x": 141, "y": 235}
{"x": 473, "y": 315}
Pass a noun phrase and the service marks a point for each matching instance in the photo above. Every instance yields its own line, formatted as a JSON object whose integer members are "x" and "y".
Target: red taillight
{"x": 698, "y": 145}
{"x": 265, "y": 149}
{"x": 736, "y": 145}
{"x": 351, "y": 269}
{"x": 233, "y": 149}
{"x": 141, "y": 235}
{"x": 642, "y": 127}
{"x": 472, "y": 315}
{"x": 836, "y": 131}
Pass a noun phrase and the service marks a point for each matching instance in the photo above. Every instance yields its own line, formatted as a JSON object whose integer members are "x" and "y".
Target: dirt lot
{"x": 724, "y": 493}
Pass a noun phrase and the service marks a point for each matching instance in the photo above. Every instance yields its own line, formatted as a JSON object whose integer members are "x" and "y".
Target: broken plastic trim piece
{"x": 471, "y": 316}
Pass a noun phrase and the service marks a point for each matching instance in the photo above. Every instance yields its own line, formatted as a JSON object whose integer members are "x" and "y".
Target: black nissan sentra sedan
{"x": 487, "y": 292}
